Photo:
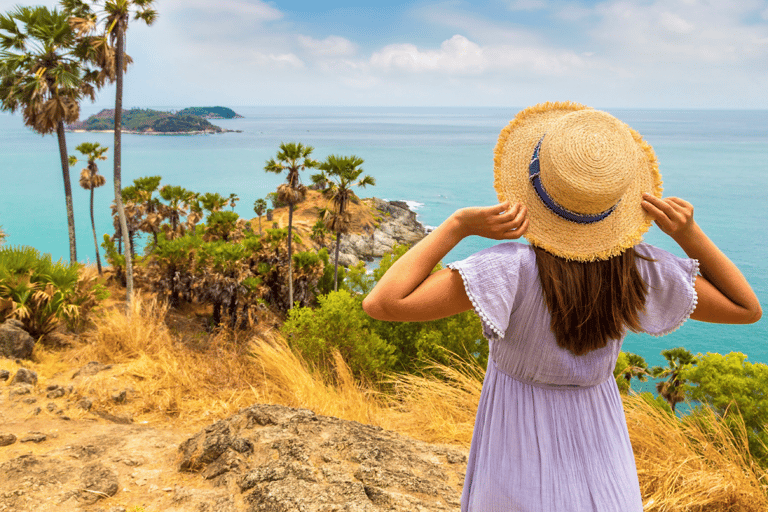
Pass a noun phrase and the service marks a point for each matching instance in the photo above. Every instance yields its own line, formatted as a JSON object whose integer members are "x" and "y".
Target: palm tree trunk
{"x": 67, "y": 191}
{"x": 336, "y": 263}
{"x": 290, "y": 256}
{"x": 95, "y": 240}
{"x": 119, "y": 59}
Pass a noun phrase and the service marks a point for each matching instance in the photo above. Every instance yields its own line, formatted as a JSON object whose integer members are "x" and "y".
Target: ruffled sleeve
{"x": 492, "y": 280}
{"x": 671, "y": 294}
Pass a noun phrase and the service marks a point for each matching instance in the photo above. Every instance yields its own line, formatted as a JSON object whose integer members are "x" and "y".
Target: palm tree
{"x": 673, "y": 389}
{"x": 90, "y": 179}
{"x": 179, "y": 201}
{"x": 115, "y": 16}
{"x": 636, "y": 368}
{"x": 341, "y": 173}
{"x": 41, "y": 75}
{"x": 259, "y": 207}
{"x": 292, "y": 157}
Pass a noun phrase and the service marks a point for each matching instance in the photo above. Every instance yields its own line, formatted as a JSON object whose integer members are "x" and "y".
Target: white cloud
{"x": 273, "y": 60}
{"x": 460, "y": 56}
{"x": 675, "y": 23}
{"x": 331, "y": 46}
{"x": 456, "y": 55}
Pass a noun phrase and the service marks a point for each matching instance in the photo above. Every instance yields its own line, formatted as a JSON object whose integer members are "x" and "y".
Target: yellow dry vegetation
{"x": 682, "y": 465}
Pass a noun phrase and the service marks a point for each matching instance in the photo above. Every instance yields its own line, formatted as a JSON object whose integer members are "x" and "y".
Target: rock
{"x": 34, "y": 437}
{"x": 91, "y": 368}
{"x": 55, "y": 391}
{"x": 5, "y": 375}
{"x": 24, "y": 376}
{"x": 15, "y": 342}
{"x": 7, "y": 439}
{"x": 58, "y": 340}
{"x": 301, "y": 461}
{"x": 397, "y": 225}
{"x": 85, "y": 403}
{"x": 20, "y": 390}
{"x": 98, "y": 482}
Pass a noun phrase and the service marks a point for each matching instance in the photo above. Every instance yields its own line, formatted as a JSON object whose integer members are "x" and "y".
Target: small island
{"x": 190, "y": 121}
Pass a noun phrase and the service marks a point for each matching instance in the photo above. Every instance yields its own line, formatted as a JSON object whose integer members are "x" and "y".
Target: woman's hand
{"x": 723, "y": 293}
{"x": 673, "y": 215}
{"x": 498, "y": 222}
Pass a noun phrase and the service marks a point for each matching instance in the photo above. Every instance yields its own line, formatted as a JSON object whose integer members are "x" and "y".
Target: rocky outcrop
{"x": 397, "y": 224}
{"x": 275, "y": 458}
{"x": 15, "y": 342}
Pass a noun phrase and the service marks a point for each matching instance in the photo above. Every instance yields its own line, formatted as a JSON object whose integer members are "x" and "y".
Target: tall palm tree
{"x": 259, "y": 207}
{"x": 342, "y": 173}
{"x": 115, "y": 15}
{"x": 673, "y": 389}
{"x": 292, "y": 157}
{"x": 41, "y": 75}
{"x": 90, "y": 179}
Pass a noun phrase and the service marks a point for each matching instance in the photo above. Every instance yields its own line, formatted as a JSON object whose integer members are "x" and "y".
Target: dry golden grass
{"x": 681, "y": 465}
{"x": 684, "y": 466}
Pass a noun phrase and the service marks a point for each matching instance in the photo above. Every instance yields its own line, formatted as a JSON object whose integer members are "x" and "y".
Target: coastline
{"x": 132, "y": 132}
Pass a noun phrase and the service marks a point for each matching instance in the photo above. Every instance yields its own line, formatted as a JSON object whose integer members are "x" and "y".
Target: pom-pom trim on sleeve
{"x": 691, "y": 306}
{"x": 490, "y": 330}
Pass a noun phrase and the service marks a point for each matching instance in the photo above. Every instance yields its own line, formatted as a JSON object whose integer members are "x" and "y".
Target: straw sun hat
{"x": 581, "y": 173}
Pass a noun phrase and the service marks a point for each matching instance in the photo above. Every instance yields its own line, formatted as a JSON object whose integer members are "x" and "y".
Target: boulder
{"x": 397, "y": 225}
{"x": 15, "y": 342}
{"x": 24, "y": 376}
{"x": 277, "y": 458}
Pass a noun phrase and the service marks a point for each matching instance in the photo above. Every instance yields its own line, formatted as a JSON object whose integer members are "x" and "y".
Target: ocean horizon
{"x": 436, "y": 159}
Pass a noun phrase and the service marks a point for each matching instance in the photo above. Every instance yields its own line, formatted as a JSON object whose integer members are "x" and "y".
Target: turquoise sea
{"x": 439, "y": 159}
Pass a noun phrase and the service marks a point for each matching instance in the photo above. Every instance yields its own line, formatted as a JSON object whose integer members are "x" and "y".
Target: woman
{"x": 583, "y": 187}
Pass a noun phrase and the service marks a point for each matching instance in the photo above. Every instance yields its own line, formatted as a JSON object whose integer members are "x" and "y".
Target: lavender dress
{"x": 550, "y": 432}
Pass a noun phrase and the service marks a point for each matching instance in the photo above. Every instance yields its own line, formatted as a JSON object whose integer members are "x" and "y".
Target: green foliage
{"x": 673, "y": 389}
{"x": 148, "y": 120}
{"x": 656, "y": 401}
{"x": 629, "y": 366}
{"x": 730, "y": 381}
{"x": 221, "y": 224}
{"x": 40, "y": 292}
{"x": 276, "y": 202}
{"x": 339, "y": 323}
{"x": 210, "y": 112}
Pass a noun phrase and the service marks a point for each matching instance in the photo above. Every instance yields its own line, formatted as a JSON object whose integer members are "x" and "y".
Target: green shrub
{"x": 339, "y": 323}
{"x": 40, "y": 292}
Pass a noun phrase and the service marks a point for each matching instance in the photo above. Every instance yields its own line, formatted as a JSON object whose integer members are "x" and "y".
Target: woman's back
{"x": 550, "y": 432}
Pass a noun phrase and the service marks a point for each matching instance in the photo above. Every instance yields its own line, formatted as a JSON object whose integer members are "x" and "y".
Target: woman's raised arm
{"x": 724, "y": 295}
{"x": 408, "y": 293}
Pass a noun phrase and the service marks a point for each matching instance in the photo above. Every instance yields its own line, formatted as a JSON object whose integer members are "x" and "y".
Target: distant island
{"x": 211, "y": 112}
{"x": 192, "y": 120}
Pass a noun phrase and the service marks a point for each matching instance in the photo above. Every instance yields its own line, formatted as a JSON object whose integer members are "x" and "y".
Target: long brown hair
{"x": 593, "y": 302}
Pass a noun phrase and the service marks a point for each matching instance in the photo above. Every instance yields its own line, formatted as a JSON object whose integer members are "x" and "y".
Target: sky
{"x": 610, "y": 54}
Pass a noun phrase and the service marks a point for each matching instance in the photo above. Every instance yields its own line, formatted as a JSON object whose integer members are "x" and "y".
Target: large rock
{"x": 282, "y": 459}
{"x": 15, "y": 342}
{"x": 397, "y": 225}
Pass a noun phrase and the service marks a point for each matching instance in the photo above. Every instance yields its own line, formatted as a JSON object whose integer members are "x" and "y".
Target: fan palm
{"x": 673, "y": 389}
{"x": 41, "y": 75}
{"x": 342, "y": 173}
{"x": 259, "y": 207}
{"x": 90, "y": 179}
{"x": 292, "y": 157}
{"x": 180, "y": 201}
{"x": 115, "y": 15}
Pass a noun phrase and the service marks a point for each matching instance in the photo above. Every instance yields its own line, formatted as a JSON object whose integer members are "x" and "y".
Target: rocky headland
{"x": 377, "y": 226}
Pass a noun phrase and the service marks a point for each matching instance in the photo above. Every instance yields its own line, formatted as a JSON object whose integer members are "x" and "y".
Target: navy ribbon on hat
{"x": 535, "y": 176}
